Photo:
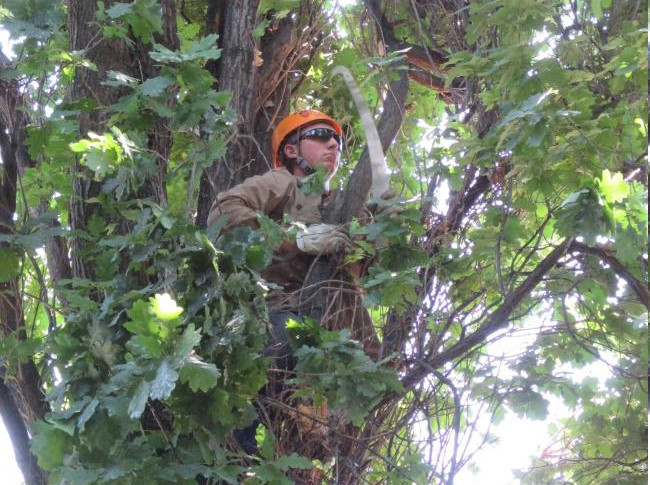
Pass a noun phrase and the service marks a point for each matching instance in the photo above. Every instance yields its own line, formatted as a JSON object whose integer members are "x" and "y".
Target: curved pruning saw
{"x": 378, "y": 165}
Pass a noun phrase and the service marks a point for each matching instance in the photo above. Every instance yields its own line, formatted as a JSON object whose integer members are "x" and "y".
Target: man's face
{"x": 316, "y": 150}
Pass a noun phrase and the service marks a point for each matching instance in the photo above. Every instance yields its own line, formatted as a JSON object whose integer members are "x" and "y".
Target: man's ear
{"x": 291, "y": 150}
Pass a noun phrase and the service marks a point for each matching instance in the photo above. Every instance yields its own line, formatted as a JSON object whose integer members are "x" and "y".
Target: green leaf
{"x": 203, "y": 49}
{"x": 146, "y": 345}
{"x": 613, "y": 188}
{"x": 155, "y": 86}
{"x": 10, "y": 267}
{"x": 190, "y": 338}
{"x": 265, "y": 442}
{"x": 259, "y": 30}
{"x": 119, "y": 10}
{"x": 529, "y": 403}
{"x": 50, "y": 445}
{"x": 144, "y": 17}
{"x": 256, "y": 257}
{"x": 79, "y": 476}
{"x": 141, "y": 321}
{"x": 164, "y": 382}
{"x": 513, "y": 230}
{"x": 139, "y": 399}
{"x": 583, "y": 213}
{"x": 199, "y": 375}
{"x": 87, "y": 413}
{"x": 597, "y": 8}
{"x": 294, "y": 461}
{"x": 165, "y": 308}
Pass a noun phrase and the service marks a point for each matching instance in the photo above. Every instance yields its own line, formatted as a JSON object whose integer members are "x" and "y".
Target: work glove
{"x": 322, "y": 239}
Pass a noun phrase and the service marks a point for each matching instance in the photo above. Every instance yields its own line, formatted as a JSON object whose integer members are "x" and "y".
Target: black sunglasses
{"x": 322, "y": 134}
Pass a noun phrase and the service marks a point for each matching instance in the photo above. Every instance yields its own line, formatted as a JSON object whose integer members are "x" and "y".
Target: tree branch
{"x": 639, "y": 288}
{"x": 496, "y": 321}
{"x": 358, "y": 187}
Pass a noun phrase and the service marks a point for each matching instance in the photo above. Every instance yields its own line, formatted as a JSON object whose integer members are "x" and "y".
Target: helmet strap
{"x": 304, "y": 166}
{"x": 300, "y": 161}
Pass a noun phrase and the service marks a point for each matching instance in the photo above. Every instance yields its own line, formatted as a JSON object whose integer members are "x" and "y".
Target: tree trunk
{"x": 22, "y": 400}
{"x": 85, "y": 35}
{"x": 17, "y": 431}
{"x": 26, "y": 384}
{"x": 111, "y": 55}
{"x": 259, "y": 74}
{"x": 236, "y": 73}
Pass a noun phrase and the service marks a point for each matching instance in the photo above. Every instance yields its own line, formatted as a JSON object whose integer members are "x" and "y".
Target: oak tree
{"x": 132, "y": 334}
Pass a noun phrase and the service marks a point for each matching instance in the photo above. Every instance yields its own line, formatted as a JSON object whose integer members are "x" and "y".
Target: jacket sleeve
{"x": 269, "y": 193}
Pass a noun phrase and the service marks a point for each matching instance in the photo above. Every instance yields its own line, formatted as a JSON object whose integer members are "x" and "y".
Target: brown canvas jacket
{"x": 275, "y": 193}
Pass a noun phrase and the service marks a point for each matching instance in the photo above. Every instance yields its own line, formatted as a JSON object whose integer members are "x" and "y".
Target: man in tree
{"x": 302, "y": 144}
{"x": 305, "y": 143}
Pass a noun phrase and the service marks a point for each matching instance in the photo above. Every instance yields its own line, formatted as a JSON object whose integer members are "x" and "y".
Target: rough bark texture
{"x": 236, "y": 73}
{"x": 15, "y": 426}
{"x": 85, "y": 36}
{"x": 260, "y": 74}
{"x": 26, "y": 387}
{"x": 274, "y": 93}
{"x": 160, "y": 137}
{"x": 115, "y": 55}
{"x": 21, "y": 399}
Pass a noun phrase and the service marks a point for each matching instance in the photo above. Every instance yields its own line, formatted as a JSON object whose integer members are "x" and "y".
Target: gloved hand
{"x": 322, "y": 239}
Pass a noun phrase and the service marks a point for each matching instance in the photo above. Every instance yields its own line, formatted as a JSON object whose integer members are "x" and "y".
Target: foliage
{"x": 336, "y": 371}
{"x": 529, "y": 137}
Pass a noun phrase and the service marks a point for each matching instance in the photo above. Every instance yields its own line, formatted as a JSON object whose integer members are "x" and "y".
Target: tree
{"x": 517, "y": 137}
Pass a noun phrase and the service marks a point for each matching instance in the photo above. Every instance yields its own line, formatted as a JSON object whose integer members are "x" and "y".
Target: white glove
{"x": 322, "y": 239}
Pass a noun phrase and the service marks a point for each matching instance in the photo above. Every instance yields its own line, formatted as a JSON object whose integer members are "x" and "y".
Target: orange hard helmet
{"x": 293, "y": 122}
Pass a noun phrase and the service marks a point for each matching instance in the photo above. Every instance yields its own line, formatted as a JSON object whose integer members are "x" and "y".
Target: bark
{"x": 236, "y": 73}
{"x": 279, "y": 54}
{"x": 86, "y": 36}
{"x": 160, "y": 137}
{"x": 19, "y": 436}
{"x": 260, "y": 75}
{"x": 56, "y": 248}
{"x": 22, "y": 400}
{"x": 27, "y": 386}
{"x": 115, "y": 55}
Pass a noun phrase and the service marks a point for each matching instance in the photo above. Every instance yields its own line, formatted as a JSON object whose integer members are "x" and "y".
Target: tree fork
{"x": 639, "y": 288}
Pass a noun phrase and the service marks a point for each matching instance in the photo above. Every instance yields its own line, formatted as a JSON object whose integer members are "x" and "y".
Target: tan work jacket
{"x": 275, "y": 193}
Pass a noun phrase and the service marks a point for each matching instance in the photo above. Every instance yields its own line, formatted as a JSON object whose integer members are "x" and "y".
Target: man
{"x": 301, "y": 144}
